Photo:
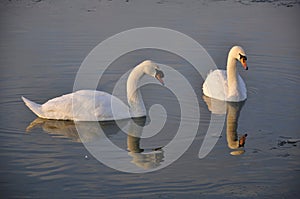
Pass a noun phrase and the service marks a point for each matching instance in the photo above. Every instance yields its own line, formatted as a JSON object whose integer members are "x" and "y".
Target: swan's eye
{"x": 243, "y": 57}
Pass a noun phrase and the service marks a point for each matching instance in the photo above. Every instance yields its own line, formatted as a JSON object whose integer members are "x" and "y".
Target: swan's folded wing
{"x": 86, "y": 105}
{"x": 59, "y": 108}
{"x": 109, "y": 107}
{"x": 215, "y": 85}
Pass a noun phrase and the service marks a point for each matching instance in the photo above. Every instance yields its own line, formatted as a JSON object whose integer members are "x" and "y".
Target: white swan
{"x": 228, "y": 85}
{"x": 91, "y": 105}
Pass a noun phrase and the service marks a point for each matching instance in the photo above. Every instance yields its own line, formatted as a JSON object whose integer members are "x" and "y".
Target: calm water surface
{"x": 42, "y": 46}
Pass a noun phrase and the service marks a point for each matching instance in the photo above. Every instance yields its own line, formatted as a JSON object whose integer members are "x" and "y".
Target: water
{"x": 42, "y": 46}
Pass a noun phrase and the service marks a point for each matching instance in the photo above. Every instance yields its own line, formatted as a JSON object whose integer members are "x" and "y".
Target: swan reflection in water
{"x": 89, "y": 132}
{"x": 232, "y": 111}
{"x": 143, "y": 158}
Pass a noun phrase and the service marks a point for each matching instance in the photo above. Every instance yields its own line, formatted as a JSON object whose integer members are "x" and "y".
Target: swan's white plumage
{"x": 83, "y": 105}
{"x": 227, "y": 85}
{"x": 216, "y": 86}
{"x": 91, "y": 105}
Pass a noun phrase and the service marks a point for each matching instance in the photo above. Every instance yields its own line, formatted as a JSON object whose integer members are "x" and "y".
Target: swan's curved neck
{"x": 232, "y": 76}
{"x": 134, "y": 96}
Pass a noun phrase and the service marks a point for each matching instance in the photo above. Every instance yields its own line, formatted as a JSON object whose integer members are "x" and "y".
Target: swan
{"x": 228, "y": 85}
{"x": 92, "y": 105}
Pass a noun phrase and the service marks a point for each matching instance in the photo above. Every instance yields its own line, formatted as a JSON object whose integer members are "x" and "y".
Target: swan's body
{"x": 227, "y": 85}
{"x": 91, "y": 105}
{"x": 61, "y": 108}
{"x": 216, "y": 86}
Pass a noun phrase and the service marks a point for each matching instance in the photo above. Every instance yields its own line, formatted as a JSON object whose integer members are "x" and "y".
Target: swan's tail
{"x": 34, "y": 107}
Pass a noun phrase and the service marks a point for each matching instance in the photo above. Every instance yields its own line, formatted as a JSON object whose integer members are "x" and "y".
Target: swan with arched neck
{"x": 227, "y": 85}
{"x": 92, "y": 105}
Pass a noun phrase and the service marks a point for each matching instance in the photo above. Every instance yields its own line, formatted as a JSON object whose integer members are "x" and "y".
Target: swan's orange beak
{"x": 159, "y": 76}
{"x": 243, "y": 59}
{"x": 244, "y": 63}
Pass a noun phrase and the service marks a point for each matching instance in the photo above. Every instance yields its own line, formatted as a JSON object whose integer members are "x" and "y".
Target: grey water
{"x": 43, "y": 44}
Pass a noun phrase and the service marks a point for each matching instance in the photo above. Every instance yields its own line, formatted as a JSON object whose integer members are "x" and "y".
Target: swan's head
{"x": 238, "y": 53}
{"x": 152, "y": 69}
